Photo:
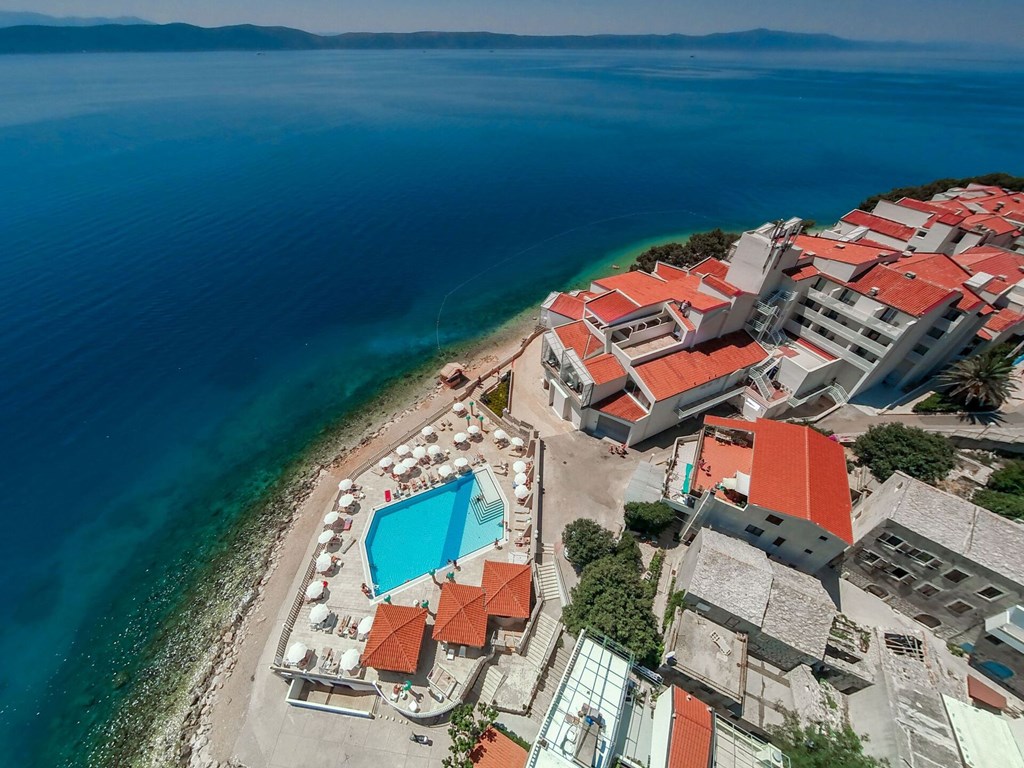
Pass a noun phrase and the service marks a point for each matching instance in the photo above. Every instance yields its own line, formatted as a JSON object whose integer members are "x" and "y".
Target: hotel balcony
{"x": 876, "y": 324}
{"x": 852, "y": 335}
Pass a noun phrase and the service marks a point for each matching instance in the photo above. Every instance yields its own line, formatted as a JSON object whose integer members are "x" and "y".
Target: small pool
{"x": 408, "y": 538}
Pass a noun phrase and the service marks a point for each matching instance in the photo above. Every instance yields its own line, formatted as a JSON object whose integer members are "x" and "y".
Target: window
{"x": 890, "y": 541}
{"x": 869, "y": 557}
{"x": 888, "y": 316}
{"x": 951, "y": 314}
{"x": 921, "y": 233}
{"x": 959, "y": 607}
{"x": 774, "y": 519}
{"x": 920, "y": 349}
{"x": 993, "y": 639}
{"x": 873, "y": 335}
{"x": 955, "y": 575}
{"x": 808, "y": 552}
{"x": 898, "y": 573}
{"x": 823, "y": 538}
{"x": 928, "y": 590}
{"x": 831, "y": 314}
{"x": 848, "y": 297}
{"x": 812, "y": 305}
{"x": 754, "y": 530}
{"x": 936, "y": 332}
{"x": 778, "y": 542}
{"x": 820, "y": 284}
{"x": 917, "y": 554}
{"x": 991, "y": 593}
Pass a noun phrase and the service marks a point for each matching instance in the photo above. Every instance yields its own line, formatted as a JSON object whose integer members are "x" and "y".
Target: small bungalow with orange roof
{"x": 395, "y": 639}
{"x": 461, "y": 618}
{"x": 508, "y": 589}
{"x": 496, "y": 750}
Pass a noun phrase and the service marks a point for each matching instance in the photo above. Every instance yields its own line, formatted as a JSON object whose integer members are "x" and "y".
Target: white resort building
{"x": 788, "y": 318}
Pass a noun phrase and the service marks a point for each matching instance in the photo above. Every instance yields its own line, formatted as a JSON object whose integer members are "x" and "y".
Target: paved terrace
{"x": 348, "y": 604}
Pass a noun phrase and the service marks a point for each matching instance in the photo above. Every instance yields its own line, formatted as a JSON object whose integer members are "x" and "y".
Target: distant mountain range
{"x": 25, "y": 18}
{"x": 144, "y": 37}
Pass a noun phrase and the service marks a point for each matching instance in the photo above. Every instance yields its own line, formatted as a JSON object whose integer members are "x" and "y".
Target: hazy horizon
{"x": 922, "y": 21}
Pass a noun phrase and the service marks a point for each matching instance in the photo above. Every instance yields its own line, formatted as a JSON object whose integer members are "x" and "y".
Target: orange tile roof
{"x": 915, "y": 296}
{"x": 717, "y": 283}
{"x": 646, "y": 290}
{"x": 940, "y": 269}
{"x": 996, "y": 224}
{"x": 508, "y": 587}
{"x": 798, "y": 472}
{"x": 567, "y": 306}
{"x": 802, "y": 273}
{"x": 669, "y": 272}
{"x": 579, "y": 338}
{"x": 688, "y": 368}
{"x": 496, "y": 750}
{"x": 395, "y": 638}
{"x": 622, "y": 405}
{"x": 461, "y": 617}
{"x": 693, "y": 728}
{"x": 677, "y": 313}
{"x": 836, "y": 250}
{"x": 940, "y": 213}
{"x": 1006, "y": 266}
{"x": 711, "y": 266}
{"x": 881, "y": 225}
{"x": 1002, "y": 320}
{"x": 611, "y": 306}
{"x": 604, "y": 368}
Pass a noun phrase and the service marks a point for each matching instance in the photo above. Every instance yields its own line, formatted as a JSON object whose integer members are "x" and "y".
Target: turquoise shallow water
{"x": 206, "y": 260}
{"x": 407, "y": 539}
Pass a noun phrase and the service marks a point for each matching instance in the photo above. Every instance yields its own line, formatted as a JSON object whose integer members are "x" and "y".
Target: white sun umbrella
{"x": 403, "y": 450}
{"x": 518, "y": 442}
{"x": 324, "y": 563}
{"x": 326, "y": 537}
{"x": 346, "y": 501}
{"x": 399, "y": 470}
{"x": 419, "y": 452}
{"x": 520, "y": 479}
{"x": 315, "y": 590}
{"x": 458, "y": 407}
{"x": 365, "y": 625}
{"x": 522, "y": 491}
{"x": 427, "y": 431}
{"x": 460, "y": 437}
{"x": 500, "y": 435}
{"x": 350, "y": 659}
{"x": 319, "y": 613}
{"x": 519, "y": 466}
{"x": 296, "y": 653}
{"x": 444, "y": 470}
{"x": 408, "y": 462}
{"x": 386, "y": 462}
{"x": 331, "y": 518}
{"x": 345, "y": 485}
{"x": 434, "y": 450}
{"x": 461, "y": 463}
{"x": 473, "y": 429}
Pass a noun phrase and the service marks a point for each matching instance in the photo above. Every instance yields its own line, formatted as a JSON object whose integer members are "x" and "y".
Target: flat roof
{"x": 711, "y": 654}
{"x": 594, "y": 685}
{"x": 984, "y": 739}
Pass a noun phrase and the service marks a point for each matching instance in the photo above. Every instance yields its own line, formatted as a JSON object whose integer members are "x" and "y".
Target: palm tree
{"x": 982, "y": 379}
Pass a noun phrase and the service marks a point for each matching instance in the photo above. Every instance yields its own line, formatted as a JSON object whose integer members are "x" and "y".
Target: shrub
{"x": 1005, "y": 504}
{"x": 939, "y": 402}
{"x": 1008, "y": 479}
{"x": 497, "y": 398}
{"x": 891, "y": 447}
{"x": 675, "y": 600}
{"x": 700, "y": 246}
{"x": 586, "y": 541}
{"x": 820, "y": 746}
{"x": 649, "y": 517}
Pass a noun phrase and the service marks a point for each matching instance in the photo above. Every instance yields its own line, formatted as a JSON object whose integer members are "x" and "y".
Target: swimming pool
{"x": 408, "y": 538}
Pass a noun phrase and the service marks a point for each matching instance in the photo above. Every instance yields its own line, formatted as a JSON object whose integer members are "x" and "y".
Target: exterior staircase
{"x": 551, "y": 676}
{"x": 545, "y": 628}
{"x": 547, "y": 574}
{"x": 493, "y": 678}
{"x": 486, "y": 511}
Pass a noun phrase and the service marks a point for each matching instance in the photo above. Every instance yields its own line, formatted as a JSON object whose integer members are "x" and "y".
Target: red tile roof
{"x": 647, "y": 290}
{"x": 507, "y": 589}
{"x": 395, "y": 638}
{"x": 693, "y": 729}
{"x": 915, "y": 296}
{"x": 875, "y": 223}
{"x": 978, "y": 691}
{"x": 688, "y": 368}
{"x": 611, "y": 306}
{"x": 711, "y": 266}
{"x": 496, "y": 750}
{"x": 567, "y": 306}
{"x": 622, "y": 405}
{"x": 1007, "y": 267}
{"x": 798, "y": 472}
{"x": 604, "y": 368}
{"x": 996, "y": 224}
{"x": 944, "y": 214}
{"x": 721, "y": 286}
{"x": 815, "y": 349}
{"x": 579, "y": 338}
{"x": 668, "y": 271}
{"x": 677, "y": 313}
{"x": 1002, "y": 320}
{"x": 461, "y": 617}
{"x": 940, "y": 269}
{"x": 836, "y": 250}
{"x": 805, "y": 272}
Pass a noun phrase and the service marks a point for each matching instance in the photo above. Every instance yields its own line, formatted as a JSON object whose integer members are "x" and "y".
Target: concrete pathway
{"x": 1002, "y": 427}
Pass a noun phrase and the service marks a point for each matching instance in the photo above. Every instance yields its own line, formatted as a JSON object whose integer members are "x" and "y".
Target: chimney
{"x": 872, "y": 291}
{"x": 910, "y": 275}
{"x": 1001, "y": 277}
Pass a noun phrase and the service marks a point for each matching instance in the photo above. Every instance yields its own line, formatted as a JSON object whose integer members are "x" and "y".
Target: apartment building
{"x": 953, "y": 566}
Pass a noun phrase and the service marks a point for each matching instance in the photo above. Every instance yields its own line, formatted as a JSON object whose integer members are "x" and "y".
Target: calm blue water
{"x": 206, "y": 259}
{"x": 409, "y": 538}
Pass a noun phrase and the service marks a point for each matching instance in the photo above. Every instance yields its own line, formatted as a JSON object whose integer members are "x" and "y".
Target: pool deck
{"x": 345, "y": 598}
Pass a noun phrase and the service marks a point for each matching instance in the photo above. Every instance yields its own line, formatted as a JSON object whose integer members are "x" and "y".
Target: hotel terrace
{"x": 789, "y": 318}
{"x": 419, "y": 646}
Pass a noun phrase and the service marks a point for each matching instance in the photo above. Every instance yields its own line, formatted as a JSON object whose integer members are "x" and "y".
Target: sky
{"x": 974, "y": 21}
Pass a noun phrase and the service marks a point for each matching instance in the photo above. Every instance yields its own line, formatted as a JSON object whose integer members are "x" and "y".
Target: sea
{"x": 208, "y": 261}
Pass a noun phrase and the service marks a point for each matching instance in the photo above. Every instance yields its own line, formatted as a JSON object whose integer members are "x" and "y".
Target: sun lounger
{"x": 346, "y": 524}
{"x": 450, "y": 655}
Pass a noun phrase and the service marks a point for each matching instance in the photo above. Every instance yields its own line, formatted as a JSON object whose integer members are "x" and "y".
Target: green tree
{"x": 981, "y": 380}
{"x": 1008, "y": 479}
{"x": 465, "y": 728}
{"x": 1006, "y": 504}
{"x": 821, "y": 746}
{"x": 586, "y": 541}
{"x": 649, "y": 517}
{"x": 700, "y": 246}
{"x": 610, "y": 599}
{"x": 891, "y": 447}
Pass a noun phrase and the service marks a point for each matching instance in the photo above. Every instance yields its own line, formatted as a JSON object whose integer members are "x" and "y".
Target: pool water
{"x": 407, "y": 539}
